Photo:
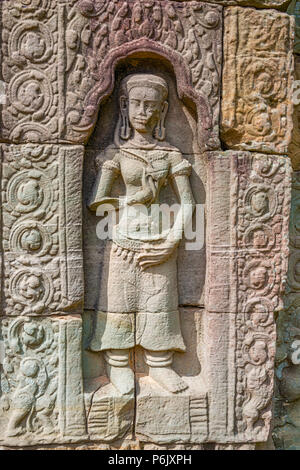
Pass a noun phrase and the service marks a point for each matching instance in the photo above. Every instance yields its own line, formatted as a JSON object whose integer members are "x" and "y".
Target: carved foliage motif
{"x": 36, "y": 384}
{"x": 100, "y": 33}
{"x": 37, "y": 236}
{"x": 29, "y": 69}
{"x": 262, "y": 214}
{"x": 50, "y": 47}
{"x": 247, "y": 266}
{"x": 257, "y": 109}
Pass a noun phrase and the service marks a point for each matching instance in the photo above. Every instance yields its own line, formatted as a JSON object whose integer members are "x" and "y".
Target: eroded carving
{"x": 258, "y": 60}
{"x": 35, "y": 380}
{"x": 30, "y": 46}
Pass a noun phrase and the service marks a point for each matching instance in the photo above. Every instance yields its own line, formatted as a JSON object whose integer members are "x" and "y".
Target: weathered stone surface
{"x": 30, "y": 72}
{"x": 280, "y": 4}
{"x": 294, "y": 147}
{"x": 293, "y": 9}
{"x": 182, "y": 418}
{"x": 41, "y": 240}
{"x": 41, "y": 381}
{"x": 257, "y": 80}
{"x": 287, "y": 423}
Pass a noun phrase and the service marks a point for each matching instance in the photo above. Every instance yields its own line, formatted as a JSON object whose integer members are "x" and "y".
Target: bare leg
{"x": 160, "y": 370}
{"x": 118, "y": 370}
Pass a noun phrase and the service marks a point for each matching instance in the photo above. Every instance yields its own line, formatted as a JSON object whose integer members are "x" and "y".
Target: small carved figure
{"x": 29, "y": 194}
{"x": 31, "y": 240}
{"x": 260, "y": 239}
{"x": 30, "y": 287}
{"x": 260, "y": 203}
{"x": 32, "y": 381}
{"x": 258, "y": 277}
{"x": 258, "y": 371}
{"x": 138, "y": 302}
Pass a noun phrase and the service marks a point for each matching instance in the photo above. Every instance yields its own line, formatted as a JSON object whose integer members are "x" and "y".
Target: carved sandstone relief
{"x": 138, "y": 303}
{"x": 30, "y": 50}
{"x": 41, "y": 241}
{"x": 54, "y": 91}
{"x": 294, "y": 9}
{"x": 41, "y": 381}
{"x": 246, "y": 276}
{"x": 257, "y": 80}
{"x": 154, "y": 372}
{"x": 102, "y": 34}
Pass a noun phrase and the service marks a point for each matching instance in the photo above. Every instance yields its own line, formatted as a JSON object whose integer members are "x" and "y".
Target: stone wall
{"x": 95, "y": 351}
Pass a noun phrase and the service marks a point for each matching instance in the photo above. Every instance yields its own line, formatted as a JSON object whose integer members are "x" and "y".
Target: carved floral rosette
{"x": 30, "y": 71}
{"x": 247, "y": 266}
{"x": 41, "y": 197}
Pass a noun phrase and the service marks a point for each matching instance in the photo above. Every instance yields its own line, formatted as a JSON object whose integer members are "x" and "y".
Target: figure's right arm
{"x": 105, "y": 178}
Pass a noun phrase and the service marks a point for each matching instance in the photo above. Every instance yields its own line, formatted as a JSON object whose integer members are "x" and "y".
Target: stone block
{"x": 42, "y": 229}
{"x": 257, "y": 80}
{"x": 41, "y": 381}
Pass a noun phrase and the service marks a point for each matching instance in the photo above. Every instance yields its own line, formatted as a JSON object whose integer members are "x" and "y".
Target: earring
{"x": 125, "y": 130}
{"x": 160, "y": 130}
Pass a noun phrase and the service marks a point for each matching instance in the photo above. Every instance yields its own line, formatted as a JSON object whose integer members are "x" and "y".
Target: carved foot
{"x": 14, "y": 432}
{"x": 119, "y": 372}
{"x": 122, "y": 379}
{"x": 167, "y": 378}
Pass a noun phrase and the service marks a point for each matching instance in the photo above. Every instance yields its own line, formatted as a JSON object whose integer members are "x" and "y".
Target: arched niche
{"x": 147, "y": 48}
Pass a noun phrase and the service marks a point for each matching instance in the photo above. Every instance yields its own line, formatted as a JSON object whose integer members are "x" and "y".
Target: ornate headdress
{"x": 144, "y": 80}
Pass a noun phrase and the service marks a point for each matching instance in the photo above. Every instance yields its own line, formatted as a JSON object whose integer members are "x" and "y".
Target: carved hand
{"x": 154, "y": 256}
{"x": 145, "y": 195}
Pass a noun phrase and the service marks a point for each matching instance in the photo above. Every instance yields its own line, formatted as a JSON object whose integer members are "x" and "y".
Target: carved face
{"x": 29, "y": 368}
{"x": 33, "y": 46}
{"x": 259, "y": 239}
{"x": 258, "y": 277}
{"x": 144, "y": 108}
{"x": 260, "y": 202}
{"x": 259, "y": 314}
{"x": 258, "y": 352}
{"x": 30, "y": 287}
